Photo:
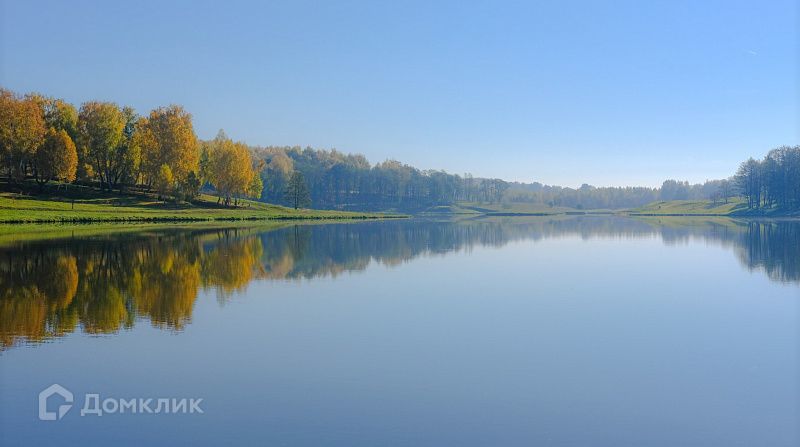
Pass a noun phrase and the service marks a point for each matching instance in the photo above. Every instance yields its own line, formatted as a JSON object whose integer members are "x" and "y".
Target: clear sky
{"x": 561, "y": 92}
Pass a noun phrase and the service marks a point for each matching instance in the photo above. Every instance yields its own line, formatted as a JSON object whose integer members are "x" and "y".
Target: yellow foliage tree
{"x": 231, "y": 168}
{"x": 22, "y": 129}
{"x": 57, "y": 158}
{"x": 57, "y": 113}
{"x": 164, "y": 181}
{"x": 100, "y": 132}
{"x": 166, "y": 137}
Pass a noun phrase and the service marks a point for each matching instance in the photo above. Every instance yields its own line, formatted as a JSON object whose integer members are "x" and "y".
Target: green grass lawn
{"x": 22, "y": 208}
{"x": 507, "y": 208}
{"x": 691, "y": 207}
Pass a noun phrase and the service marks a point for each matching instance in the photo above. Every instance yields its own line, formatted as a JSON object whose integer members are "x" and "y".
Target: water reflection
{"x": 103, "y": 284}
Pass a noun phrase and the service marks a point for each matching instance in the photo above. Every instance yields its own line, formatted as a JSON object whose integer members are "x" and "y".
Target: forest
{"x": 773, "y": 181}
{"x": 347, "y": 181}
{"x": 111, "y": 147}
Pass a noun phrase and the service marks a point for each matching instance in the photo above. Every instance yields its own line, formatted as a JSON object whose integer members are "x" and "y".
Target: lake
{"x": 565, "y": 331}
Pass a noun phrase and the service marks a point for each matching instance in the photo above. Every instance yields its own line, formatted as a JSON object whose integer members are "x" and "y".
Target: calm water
{"x": 585, "y": 331}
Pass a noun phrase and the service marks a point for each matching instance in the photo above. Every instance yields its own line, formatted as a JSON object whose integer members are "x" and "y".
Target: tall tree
{"x": 57, "y": 113}
{"x": 57, "y": 158}
{"x": 61, "y": 115}
{"x": 164, "y": 182}
{"x": 297, "y": 191}
{"x": 167, "y": 137}
{"x": 100, "y": 130}
{"x": 22, "y": 129}
{"x": 748, "y": 180}
{"x": 256, "y": 187}
{"x": 725, "y": 189}
{"x": 231, "y": 168}
{"x": 128, "y": 154}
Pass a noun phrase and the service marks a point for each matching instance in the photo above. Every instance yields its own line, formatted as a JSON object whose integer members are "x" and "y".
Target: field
{"x": 691, "y": 208}
{"x": 498, "y": 209}
{"x": 23, "y": 208}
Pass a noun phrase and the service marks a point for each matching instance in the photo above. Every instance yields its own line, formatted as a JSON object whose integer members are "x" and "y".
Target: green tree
{"x": 749, "y": 181}
{"x": 204, "y": 165}
{"x": 164, "y": 181}
{"x": 128, "y": 154}
{"x": 256, "y": 187}
{"x": 297, "y": 191}
{"x": 192, "y": 185}
{"x": 100, "y": 129}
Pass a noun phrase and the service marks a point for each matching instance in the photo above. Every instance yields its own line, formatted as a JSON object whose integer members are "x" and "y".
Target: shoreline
{"x": 191, "y": 219}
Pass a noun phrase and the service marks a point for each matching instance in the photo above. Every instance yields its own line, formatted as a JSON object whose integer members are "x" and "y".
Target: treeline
{"x": 349, "y": 181}
{"x": 114, "y": 148}
{"x": 773, "y": 182}
{"x": 770, "y": 183}
{"x": 591, "y": 197}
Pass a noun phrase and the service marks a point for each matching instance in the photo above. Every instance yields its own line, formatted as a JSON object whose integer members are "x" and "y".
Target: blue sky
{"x": 561, "y": 92}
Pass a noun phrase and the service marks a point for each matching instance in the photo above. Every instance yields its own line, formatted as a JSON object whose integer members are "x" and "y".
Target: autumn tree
{"x": 164, "y": 181}
{"x": 57, "y": 114}
{"x": 22, "y": 129}
{"x": 57, "y": 157}
{"x": 255, "y": 187}
{"x": 166, "y": 137}
{"x": 231, "y": 168}
{"x": 100, "y": 132}
{"x": 297, "y": 191}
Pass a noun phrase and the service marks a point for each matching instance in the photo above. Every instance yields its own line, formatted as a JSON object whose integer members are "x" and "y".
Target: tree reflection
{"x": 231, "y": 264}
{"x": 106, "y": 284}
{"x": 773, "y": 247}
{"x": 35, "y": 291}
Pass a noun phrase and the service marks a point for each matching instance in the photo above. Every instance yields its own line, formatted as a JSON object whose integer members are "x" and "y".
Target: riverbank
{"x": 25, "y": 209}
{"x": 734, "y": 208}
{"x": 496, "y": 209}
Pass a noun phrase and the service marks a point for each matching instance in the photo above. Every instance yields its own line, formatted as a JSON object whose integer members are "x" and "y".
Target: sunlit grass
{"x": 692, "y": 207}
{"x": 18, "y": 208}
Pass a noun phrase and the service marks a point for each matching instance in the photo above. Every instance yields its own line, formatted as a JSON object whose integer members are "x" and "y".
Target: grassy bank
{"x": 21, "y": 208}
{"x": 689, "y": 208}
{"x": 497, "y": 209}
{"x": 734, "y": 208}
{"x": 508, "y": 209}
